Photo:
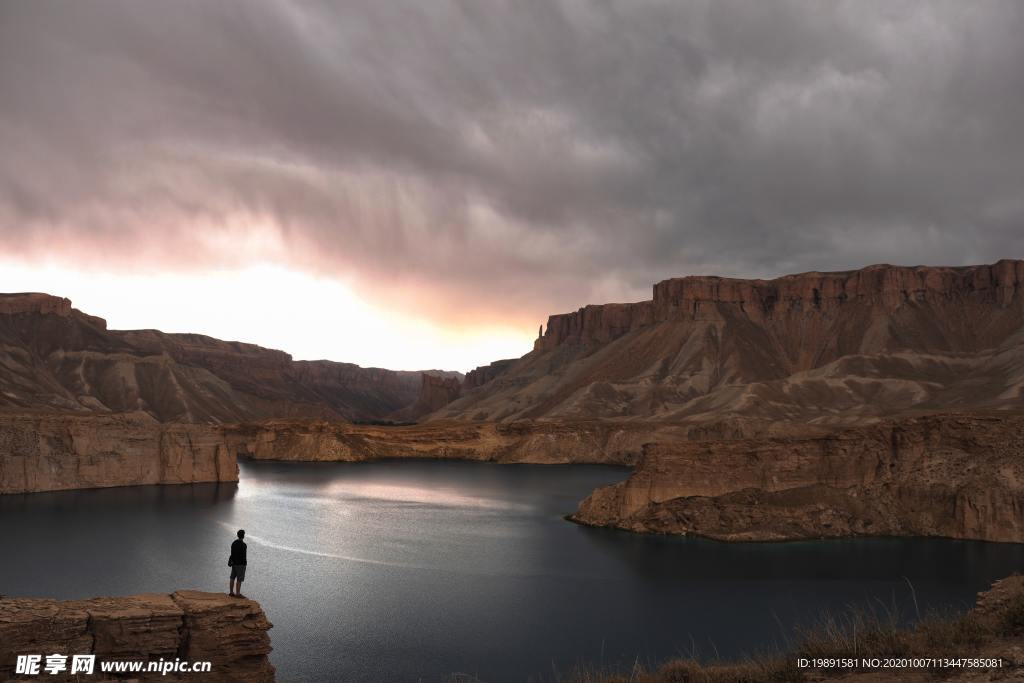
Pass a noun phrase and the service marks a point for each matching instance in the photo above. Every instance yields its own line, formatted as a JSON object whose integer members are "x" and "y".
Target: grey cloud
{"x": 533, "y": 155}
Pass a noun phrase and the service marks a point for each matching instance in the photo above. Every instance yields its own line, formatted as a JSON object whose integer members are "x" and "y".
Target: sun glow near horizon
{"x": 310, "y": 317}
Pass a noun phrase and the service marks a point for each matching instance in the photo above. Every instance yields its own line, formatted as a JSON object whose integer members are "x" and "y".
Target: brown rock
{"x": 435, "y": 393}
{"x": 958, "y": 476}
{"x": 41, "y": 627}
{"x": 521, "y": 442}
{"x": 232, "y": 633}
{"x": 34, "y": 303}
{"x": 57, "y": 358}
{"x": 56, "y": 452}
{"x": 187, "y": 625}
{"x": 829, "y": 348}
{"x": 483, "y": 374}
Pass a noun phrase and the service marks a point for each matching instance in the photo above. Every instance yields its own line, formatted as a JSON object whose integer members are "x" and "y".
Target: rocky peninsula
{"x": 955, "y": 476}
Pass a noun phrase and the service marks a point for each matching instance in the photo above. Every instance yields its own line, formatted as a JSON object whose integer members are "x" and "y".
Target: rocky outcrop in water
{"x": 957, "y": 476}
{"x": 56, "y": 452}
{"x": 192, "y": 626}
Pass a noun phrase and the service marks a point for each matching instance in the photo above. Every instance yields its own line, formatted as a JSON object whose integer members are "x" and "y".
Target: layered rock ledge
{"x": 52, "y": 452}
{"x": 594, "y": 442}
{"x": 956, "y": 476}
{"x": 185, "y": 625}
{"x": 803, "y": 296}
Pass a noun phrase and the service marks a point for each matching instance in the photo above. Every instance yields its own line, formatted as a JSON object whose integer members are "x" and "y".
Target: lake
{"x": 416, "y": 570}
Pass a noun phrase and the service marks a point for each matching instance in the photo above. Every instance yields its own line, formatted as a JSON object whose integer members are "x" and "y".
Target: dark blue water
{"x": 410, "y": 570}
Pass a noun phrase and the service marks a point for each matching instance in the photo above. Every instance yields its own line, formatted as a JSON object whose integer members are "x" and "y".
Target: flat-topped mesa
{"x": 885, "y": 286}
{"x": 700, "y": 297}
{"x": 34, "y": 302}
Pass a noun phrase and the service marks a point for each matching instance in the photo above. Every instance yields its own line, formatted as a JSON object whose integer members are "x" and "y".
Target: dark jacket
{"x": 238, "y": 552}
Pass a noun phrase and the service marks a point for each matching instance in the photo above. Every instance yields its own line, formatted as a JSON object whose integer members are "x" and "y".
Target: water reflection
{"x": 926, "y": 559}
{"x": 122, "y": 497}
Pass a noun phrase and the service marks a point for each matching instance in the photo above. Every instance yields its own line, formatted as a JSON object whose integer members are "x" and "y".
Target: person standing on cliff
{"x": 237, "y": 563}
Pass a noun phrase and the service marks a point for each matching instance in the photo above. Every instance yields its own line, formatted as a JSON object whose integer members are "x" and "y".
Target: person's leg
{"x": 231, "y": 586}
{"x": 240, "y": 576}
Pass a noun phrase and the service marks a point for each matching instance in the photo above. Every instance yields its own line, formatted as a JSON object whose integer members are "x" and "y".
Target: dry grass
{"x": 775, "y": 670}
{"x": 859, "y": 633}
{"x": 1011, "y": 621}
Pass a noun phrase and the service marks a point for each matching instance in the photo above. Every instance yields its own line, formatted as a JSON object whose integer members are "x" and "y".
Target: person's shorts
{"x": 238, "y": 572}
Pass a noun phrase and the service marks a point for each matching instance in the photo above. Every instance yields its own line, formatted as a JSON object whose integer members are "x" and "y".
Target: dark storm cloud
{"x": 537, "y": 154}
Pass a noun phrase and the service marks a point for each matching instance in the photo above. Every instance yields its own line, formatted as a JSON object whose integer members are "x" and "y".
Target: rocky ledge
{"x": 521, "y": 442}
{"x": 189, "y": 626}
{"x": 53, "y": 452}
{"x": 956, "y": 476}
{"x": 600, "y": 442}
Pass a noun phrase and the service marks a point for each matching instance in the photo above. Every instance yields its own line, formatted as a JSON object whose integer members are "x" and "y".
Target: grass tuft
{"x": 1011, "y": 621}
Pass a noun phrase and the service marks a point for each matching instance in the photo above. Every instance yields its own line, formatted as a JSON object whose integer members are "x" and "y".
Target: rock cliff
{"x": 190, "y": 626}
{"x": 957, "y": 476}
{"x": 828, "y": 348}
{"x": 57, "y": 358}
{"x": 806, "y": 295}
{"x": 520, "y": 442}
{"x": 49, "y": 452}
{"x": 479, "y": 376}
{"x": 34, "y": 303}
{"x": 595, "y": 324}
{"x": 435, "y": 392}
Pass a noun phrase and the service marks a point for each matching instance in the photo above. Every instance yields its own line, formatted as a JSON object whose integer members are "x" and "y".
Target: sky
{"x": 420, "y": 184}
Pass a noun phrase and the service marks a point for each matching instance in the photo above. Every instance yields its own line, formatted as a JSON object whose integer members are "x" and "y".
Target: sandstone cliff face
{"x": 34, "y": 302}
{"x": 55, "y": 452}
{"x": 57, "y": 358}
{"x": 830, "y": 348}
{"x": 886, "y": 287}
{"x": 435, "y": 392}
{"x": 479, "y": 376}
{"x": 520, "y": 442}
{"x": 525, "y": 441}
{"x": 595, "y": 324}
{"x": 940, "y": 475}
{"x": 187, "y": 625}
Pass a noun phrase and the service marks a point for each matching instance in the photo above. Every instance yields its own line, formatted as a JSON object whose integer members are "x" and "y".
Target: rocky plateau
{"x": 814, "y": 348}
